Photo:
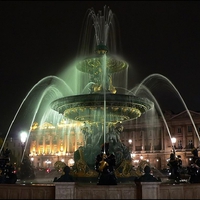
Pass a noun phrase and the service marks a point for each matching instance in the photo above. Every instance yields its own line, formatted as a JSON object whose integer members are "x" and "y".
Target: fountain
{"x": 103, "y": 109}
{"x": 105, "y": 106}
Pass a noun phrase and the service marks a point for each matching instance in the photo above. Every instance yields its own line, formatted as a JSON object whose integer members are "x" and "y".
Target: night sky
{"x": 38, "y": 37}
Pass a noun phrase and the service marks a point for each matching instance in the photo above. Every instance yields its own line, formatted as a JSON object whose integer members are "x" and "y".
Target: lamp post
{"x": 23, "y": 137}
{"x": 130, "y": 144}
{"x": 173, "y": 139}
{"x": 32, "y": 159}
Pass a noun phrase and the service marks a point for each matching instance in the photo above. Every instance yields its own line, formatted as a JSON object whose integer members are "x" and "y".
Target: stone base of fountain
{"x": 130, "y": 179}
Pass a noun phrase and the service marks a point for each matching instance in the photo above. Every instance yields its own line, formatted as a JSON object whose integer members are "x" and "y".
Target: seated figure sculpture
{"x": 194, "y": 168}
{"x": 66, "y": 177}
{"x": 174, "y": 168}
{"x": 105, "y": 163}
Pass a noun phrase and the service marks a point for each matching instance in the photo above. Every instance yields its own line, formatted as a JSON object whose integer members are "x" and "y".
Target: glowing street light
{"x": 173, "y": 139}
{"x": 71, "y": 162}
{"x": 23, "y": 137}
{"x": 130, "y": 141}
{"x": 32, "y": 159}
{"x": 132, "y": 155}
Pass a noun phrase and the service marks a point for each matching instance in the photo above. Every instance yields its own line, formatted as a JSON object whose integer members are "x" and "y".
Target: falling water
{"x": 102, "y": 30}
{"x": 87, "y": 87}
{"x": 33, "y": 118}
{"x": 142, "y": 87}
{"x": 104, "y": 93}
{"x": 163, "y": 77}
{"x": 32, "y": 89}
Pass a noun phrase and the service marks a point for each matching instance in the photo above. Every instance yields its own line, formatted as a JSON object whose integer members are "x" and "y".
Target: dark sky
{"x": 38, "y": 37}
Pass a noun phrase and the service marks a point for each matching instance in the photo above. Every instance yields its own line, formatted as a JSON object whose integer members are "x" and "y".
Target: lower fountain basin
{"x": 90, "y": 107}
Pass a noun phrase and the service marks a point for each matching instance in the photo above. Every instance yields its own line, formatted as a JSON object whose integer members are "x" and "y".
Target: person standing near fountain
{"x": 105, "y": 163}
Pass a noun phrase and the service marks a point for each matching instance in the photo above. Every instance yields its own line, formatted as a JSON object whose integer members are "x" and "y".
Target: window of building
{"x": 48, "y": 150}
{"x": 140, "y": 134}
{"x": 47, "y": 141}
{"x": 41, "y": 150}
{"x": 191, "y": 144}
{"x": 179, "y": 130}
{"x": 41, "y": 141}
{"x": 55, "y": 140}
{"x": 189, "y": 128}
{"x": 180, "y": 144}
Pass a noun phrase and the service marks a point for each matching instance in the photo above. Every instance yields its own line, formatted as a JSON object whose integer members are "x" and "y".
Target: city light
{"x": 173, "y": 140}
{"x": 23, "y": 137}
{"x": 71, "y": 162}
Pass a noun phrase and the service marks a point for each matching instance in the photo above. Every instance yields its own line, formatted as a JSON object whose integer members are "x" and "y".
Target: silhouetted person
{"x": 105, "y": 163}
{"x": 66, "y": 177}
{"x": 147, "y": 177}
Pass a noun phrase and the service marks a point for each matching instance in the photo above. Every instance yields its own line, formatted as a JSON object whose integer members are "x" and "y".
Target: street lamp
{"x": 70, "y": 162}
{"x": 32, "y": 159}
{"x": 173, "y": 139}
{"x": 130, "y": 142}
{"x": 23, "y": 137}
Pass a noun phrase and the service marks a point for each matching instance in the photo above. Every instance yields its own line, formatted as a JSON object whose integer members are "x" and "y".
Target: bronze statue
{"x": 105, "y": 163}
{"x": 194, "y": 168}
{"x": 174, "y": 166}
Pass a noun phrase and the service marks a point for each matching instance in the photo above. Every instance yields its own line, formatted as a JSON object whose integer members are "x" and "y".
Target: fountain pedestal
{"x": 150, "y": 190}
{"x": 64, "y": 190}
{"x": 72, "y": 190}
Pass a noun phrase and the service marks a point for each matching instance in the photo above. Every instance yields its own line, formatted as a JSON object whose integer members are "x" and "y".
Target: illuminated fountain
{"x": 103, "y": 109}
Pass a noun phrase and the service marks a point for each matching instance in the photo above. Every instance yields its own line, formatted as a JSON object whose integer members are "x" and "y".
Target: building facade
{"x": 148, "y": 138}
